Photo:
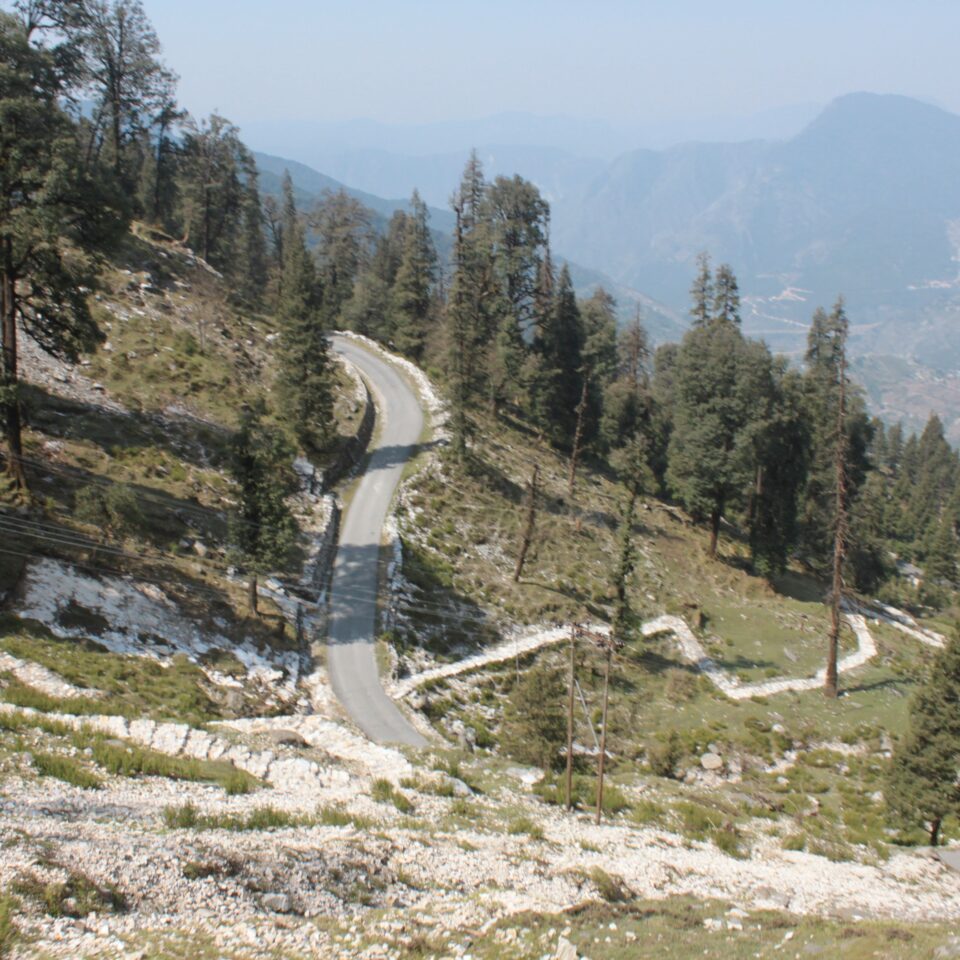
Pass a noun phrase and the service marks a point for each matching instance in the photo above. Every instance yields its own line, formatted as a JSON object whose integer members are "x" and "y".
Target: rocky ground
{"x": 332, "y": 871}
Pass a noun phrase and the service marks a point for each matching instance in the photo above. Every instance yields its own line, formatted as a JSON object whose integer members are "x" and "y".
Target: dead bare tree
{"x": 577, "y": 436}
{"x": 529, "y": 527}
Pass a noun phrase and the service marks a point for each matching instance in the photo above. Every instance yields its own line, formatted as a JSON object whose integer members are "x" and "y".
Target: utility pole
{"x": 830, "y": 686}
{"x": 573, "y": 641}
{"x": 608, "y": 650}
{"x": 577, "y": 435}
{"x": 607, "y": 643}
{"x": 528, "y": 529}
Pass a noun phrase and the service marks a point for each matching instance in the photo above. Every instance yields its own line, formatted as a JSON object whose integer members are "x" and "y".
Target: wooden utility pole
{"x": 578, "y": 435}
{"x": 830, "y": 686}
{"x": 528, "y": 529}
{"x": 573, "y": 641}
{"x": 608, "y": 650}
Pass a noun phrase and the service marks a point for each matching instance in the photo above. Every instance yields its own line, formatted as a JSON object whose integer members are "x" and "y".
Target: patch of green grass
{"x": 9, "y": 933}
{"x": 20, "y": 695}
{"x": 130, "y": 760}
{"x": 674, "y": 929}
{"x": 647, "y": 812}
{"x": 524, "y": 825}
{"x": 65, "y": 768}
{"x": 383, "y": 791}
{"x": 134, "y": 686}
{"x": 186, "y": 816}
{"x": 338, "y": 817}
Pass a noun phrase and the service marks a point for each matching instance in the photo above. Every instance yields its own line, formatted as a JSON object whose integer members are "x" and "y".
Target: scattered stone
{"x": 711, "y": 761}
{"x": 286, "y": 738}
{"x": 566, "y": 950}
{"x": 277, "y": 902}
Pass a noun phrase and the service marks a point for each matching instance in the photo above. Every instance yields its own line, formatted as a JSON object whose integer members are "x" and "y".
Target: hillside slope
{"x": 178, "y": 782}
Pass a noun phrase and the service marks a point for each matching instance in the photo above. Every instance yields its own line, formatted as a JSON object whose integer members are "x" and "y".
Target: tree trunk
{"x": 528, "y": 529}
{"x": 252, "y": 595}
{"x": 577, "y": 436}
{"x": 603, "y": 735}
{"x": 10, "y": 373}
{"x": 715, "y": 515}
{"x": 831, "y": 683}
{"x": 935, "y": 831}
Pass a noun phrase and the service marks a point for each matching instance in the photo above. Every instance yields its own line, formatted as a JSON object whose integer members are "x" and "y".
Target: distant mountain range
{"x": 309, "y": 185}
{"x": 863, "y": 201}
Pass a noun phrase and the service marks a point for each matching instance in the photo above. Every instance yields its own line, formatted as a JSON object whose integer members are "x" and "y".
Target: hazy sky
{"x": 415, "y": 61}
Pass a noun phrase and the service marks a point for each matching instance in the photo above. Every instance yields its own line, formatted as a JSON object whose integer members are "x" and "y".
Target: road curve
{"x": 351, "y": 661}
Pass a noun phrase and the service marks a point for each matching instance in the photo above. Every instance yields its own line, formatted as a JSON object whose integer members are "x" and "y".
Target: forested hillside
{"x": 670, "y": 626}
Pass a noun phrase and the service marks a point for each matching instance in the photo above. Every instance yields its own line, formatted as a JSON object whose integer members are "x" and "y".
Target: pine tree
{"x": 561, "y": 355}
{"x": 709, "y": 468}
{"x": 304, "y": 378}
{"x": 56, "y": 213}
{"x": 412, "y": 292}
{"x": 345, "y": 242}
{"x": 825, "y": 345}
{"x": 534, "y": 727}
{"x": 213, "y": 191}
{"x": 726, "y": 295}
{"x": 923, "y": 787}
{"x": 781, "y": 450}
{"x": 701, "y": 293}
{"x": 517, "y": 218}
{"x": 250, "y": 263}
{"x": 129, "y": 84}
{"x": 473, "y": 306}
{"x": 262, "y": 530}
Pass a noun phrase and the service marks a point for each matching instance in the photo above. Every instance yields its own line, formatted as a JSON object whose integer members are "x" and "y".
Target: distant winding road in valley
{"x": 351, "y": 659}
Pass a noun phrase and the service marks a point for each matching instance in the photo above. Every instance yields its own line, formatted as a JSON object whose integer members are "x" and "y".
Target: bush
{"x": 534, "y": 727}
{"x": 663, "y": 755}
{"x": 113, "y": 509}
{"x": 612, "y": 889}
{"x": 184, "y": 817}
{"x": 76, "y": 897}
{"x": 795, "y": 841}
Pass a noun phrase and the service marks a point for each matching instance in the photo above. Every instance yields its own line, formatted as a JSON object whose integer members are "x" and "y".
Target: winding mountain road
{"x": 351, "y": 659}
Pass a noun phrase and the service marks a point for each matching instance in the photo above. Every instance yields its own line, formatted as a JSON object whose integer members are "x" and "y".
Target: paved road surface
{"x": 350, "y": 644}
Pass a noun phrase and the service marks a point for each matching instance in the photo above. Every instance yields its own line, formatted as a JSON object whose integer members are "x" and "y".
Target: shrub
{"x": 534, "y": 727}
{"x": 75, "y": 897}
{"x": 664, "y": 754}
{"x": 113, "y": 509}
{"x": 611, "y": 888}
{"x": 795, "y": 841}
{"x": 184, "y": 817}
